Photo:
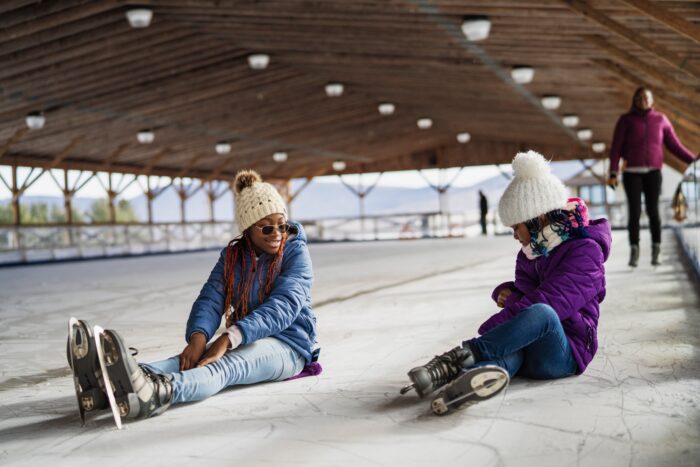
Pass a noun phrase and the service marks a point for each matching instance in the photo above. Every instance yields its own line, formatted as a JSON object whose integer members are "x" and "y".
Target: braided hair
{"x": 564, "y": 223}
{"x": 240, "y": 251}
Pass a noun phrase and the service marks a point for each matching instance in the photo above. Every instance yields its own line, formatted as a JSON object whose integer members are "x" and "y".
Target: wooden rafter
{"x": 680, "y": 63}
{"x": 16, "y": 136}
{"x": 670, "y": 19}
{"x": 64, "y": 153}
{"x": 665, "y": 80}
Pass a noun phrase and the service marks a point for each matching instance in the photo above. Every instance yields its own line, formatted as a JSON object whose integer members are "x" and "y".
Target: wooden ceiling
{"x": 99, "y": 81}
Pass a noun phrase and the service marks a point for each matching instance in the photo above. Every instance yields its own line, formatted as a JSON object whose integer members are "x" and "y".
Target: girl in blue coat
{"x": 261, "y": 287}
{"x": 547, "y": 327}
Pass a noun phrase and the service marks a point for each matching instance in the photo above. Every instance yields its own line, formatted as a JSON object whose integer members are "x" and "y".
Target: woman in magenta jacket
{"x": 640, "y": 136}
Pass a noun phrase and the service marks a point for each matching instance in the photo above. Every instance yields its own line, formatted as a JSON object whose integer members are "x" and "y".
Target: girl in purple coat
{"x": 639, "y": 139}
{"x": 547, "y": 326}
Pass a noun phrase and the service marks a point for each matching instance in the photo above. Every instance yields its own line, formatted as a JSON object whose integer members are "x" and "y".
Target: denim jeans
{"x": 267, "y": 359}
{"x": 532, "y": 344}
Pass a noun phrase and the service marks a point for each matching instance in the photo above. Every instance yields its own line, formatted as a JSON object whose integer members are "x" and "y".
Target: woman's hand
{"x": 502, "y": 296}
{"x": 216, "y": 351}
{"x": 612, "y": 181}
{"x": 193, "y": 352}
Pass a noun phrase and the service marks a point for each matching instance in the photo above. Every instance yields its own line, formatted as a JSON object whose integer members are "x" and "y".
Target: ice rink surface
{"x": 382, "y": 308}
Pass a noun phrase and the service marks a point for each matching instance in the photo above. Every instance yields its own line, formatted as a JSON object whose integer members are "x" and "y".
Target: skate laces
{"x": 443, "y": 368}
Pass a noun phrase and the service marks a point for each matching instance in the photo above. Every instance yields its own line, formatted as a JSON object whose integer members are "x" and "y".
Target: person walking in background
{"x": 639, "y": 138}
{"x": 484, "y": 209}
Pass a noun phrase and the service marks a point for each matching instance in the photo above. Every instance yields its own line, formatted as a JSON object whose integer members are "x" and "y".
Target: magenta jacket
{"x": 571, "y": 279}
{"x": 640, "y": 137}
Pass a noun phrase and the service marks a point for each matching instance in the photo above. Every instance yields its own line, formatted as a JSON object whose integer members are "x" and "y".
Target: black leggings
{"x": 650, "y": 184}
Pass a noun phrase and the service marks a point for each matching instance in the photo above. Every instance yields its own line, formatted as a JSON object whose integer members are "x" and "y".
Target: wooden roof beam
{"x": 671, "y": 83}
{"x": 18, "y": 134}
{"x": 661, "y": 52}
{"x": 670, "y": 19}
{"x": 64, "y": 153}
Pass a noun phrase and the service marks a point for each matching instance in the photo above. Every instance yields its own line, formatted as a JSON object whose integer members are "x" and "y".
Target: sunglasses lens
{"x": 267, "y": 230}
{"x": 284, "y": 228}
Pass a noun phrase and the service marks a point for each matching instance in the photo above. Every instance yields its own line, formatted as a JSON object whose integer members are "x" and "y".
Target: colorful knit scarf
{"x": 561, "y": 225}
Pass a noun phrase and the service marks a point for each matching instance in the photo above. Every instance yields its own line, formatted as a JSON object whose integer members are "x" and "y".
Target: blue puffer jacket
{"x": 285, "y": 314}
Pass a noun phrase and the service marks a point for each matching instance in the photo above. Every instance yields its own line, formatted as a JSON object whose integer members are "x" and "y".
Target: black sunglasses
{"x": 268, "y": 229}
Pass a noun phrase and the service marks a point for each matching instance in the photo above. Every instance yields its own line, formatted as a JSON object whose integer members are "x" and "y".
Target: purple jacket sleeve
{"x": 673, "y": 143}
{"x": 578, "y": 279}
{"x": 617, "y": 144}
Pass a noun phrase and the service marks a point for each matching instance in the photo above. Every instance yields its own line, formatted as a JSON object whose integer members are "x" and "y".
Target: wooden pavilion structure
{"x": 186, "y": 77}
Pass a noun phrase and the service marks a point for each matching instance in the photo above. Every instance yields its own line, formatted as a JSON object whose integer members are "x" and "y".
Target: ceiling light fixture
{"x": 334, "y": 89}
{"x": 139, "y": 17}
{"x": 551, "y": 102}
{"x": 584, "y": 134}
{"x": 35, "y": 120}
{"x": 424, "y": 123}
{"x": 598, "y": 147}
{"x": 463, "y": 137}
{"x": 476, "y": 27}
{"x": 522, "y": 74}
{"x": 145, "y": 136}
{"x": 222, "y": 147}
{"x": 279, "y": 156}
{"x": 570, "y": 120}
{"x": 386, "y": 108}
{"x": 339, "y": 166}
{"x": 258, "y": 61}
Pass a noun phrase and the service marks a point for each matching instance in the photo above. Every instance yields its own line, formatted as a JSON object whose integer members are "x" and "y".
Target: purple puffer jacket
{"x": 571, "y": 280}
{"x": 639, "y": 139}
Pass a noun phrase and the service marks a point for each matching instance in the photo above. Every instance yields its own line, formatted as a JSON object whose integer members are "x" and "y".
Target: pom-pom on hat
{"x": 255, "y": 199}
{"x": 533, "y": 190}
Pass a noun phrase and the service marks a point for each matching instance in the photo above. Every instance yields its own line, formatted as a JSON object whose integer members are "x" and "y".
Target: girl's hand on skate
{"x": 503, "y": 296}
{"x": 193, "y": 352}
{"x": 216, "y": 351}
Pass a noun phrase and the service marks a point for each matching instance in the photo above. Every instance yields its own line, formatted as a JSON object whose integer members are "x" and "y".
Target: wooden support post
{"x": 15, "y": 198}
{"x": 111, "y": 195}
{"x": 361, "y": 195}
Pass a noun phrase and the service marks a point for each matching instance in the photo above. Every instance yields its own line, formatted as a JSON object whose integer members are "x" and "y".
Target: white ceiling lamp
{"x": 522, "y": 74}
{"x": 551, "y": 102}
{"x": 424, "y": 123}
{"x": 35, "y": 120}
{"x": 570, "y": 120}
{"x": 464, "y": 137}
{"x": 139, "y": 17}
{"x": 339, "y": 166}
{"x": 279, "y": 156}
{"x": 222, "y": 147}
{"x": 334, "y": 89}
{"x": 598, "y": 147}
{"x": 258, "y": 61}
{"x": 145, "y": 136}
{"x": 476, "y": 27}
{"x": 584, "y": 134}
{"x": 386, "y": 108}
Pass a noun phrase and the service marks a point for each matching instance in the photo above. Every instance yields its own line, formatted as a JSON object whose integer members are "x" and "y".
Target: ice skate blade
{"x": 72, "y": 329}
{"x": 98, "y": 332}
{"x": 406, "y": 389}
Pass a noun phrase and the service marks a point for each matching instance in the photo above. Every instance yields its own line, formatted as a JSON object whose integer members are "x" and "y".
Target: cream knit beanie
{"x": 255, "y": 199}
{"x": 533, "y": 190}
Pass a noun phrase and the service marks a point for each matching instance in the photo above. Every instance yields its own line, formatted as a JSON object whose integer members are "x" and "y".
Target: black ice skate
{"x": 87, "y": 374}
{"x": 437, "y": 372}
{"x": 472, "y": 386}
{"x": 138, "y": 393}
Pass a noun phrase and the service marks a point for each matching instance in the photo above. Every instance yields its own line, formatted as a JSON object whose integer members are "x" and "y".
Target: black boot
{"x": 138, "y": 393}
{"x": 439, "y": 371}
{"x": 655, "y": 253}
{"x": 634, "y": 255}
{"x": 81, "y": 351}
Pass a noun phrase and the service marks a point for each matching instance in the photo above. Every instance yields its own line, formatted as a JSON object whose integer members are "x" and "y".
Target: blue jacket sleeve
{"x": 207, "y": 310}
{"x": 574, "y": 284}
{"x": 290, "y": 292}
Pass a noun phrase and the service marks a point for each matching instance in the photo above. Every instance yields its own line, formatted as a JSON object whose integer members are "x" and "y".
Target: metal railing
{"x": 688, "y": 231}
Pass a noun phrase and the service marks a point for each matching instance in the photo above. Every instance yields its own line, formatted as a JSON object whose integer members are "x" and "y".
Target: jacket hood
{"x": 599, "y": 231}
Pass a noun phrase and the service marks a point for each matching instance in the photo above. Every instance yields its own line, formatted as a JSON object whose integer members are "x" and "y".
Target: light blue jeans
{"x": 267, "y": 359}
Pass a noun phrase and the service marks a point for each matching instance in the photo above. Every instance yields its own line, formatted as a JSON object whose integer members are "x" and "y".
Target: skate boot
{"x": 438, "y": 372}
{"x": 472, "y": 386}
{"x": 634, "y": 256}
{"x": 655, "y": 253}
{"x": 138, "y": 393}
{"x": 87, "y": 374}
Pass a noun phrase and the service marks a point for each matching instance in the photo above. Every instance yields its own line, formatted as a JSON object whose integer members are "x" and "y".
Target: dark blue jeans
{"x": 532, "y": 344}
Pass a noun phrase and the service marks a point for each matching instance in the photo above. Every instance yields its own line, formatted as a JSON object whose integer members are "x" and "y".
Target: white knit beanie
{"x": 255, "y": 199}
{"x": 533, "y": 190}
